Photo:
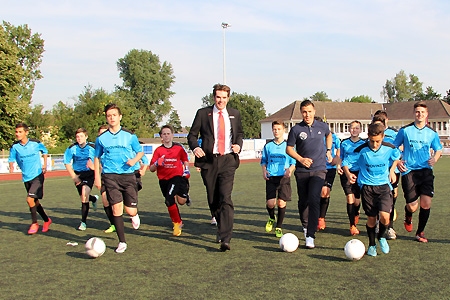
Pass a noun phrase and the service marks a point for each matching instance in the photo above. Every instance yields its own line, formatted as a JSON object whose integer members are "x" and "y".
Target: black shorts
{"x": 416, "y": 183}
{"x": 86, "y": 178}
{"x": 280, "y": 185}
{"x": 121, "y": 188}
{"x": 35, "y": 187}
{"x": 376, "y": 198}
{"x": 175, "y": 186}
{"x": 329, "y": 178}
{"x": 350, "y": 188}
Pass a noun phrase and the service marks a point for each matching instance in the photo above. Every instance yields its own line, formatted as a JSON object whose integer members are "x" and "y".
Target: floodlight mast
{"x": 224, "y": 26}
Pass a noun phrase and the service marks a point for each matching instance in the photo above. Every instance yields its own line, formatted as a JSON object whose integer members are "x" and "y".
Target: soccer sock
{"x": 382, "y": 230}
{"x": 351, "y": 214}
{"x": 391, "y": 216}
{"x": 371, "y": 234}
{"x": 357, "y": 207}
{"x": 271, "y": 212}
{"x": 407, "y": 212}
{"x": 92, "y": 198}
{"x": 33, "y": 214}
{"x": 120, "y": 228}
{"x": 281, "y": 213}
{"x": 424, "y": 214}
{"x": 324, "y": 202}
{"x": 84, "y": 211}
{"x": 41, "y": 212}
{"x": 174, "y": 213}
{"x": 109, "y": 214}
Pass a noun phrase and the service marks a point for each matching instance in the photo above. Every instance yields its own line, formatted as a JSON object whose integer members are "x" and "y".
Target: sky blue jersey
{"x": 417, "y": 144}
{"x": 348, "y": 154}
{"x": 78, "y": 156}
{"x": 374, "y": 165}
{"x": 336, "y": 144}
{"x": 28, "y": 158}
{"x": 275, "y": 159}
{"x": 115, "y": 149}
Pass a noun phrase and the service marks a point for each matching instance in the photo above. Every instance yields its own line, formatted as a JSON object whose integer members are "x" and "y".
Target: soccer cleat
{"x": 82, "y": 226}
{"x": 121, "y": 247}
{"x": 136, "y": 221}
{"x": 278, "y": 232}
{"x": 408, "y": 223}
{"x": 111, "y": 229}
{"x": 421, "y": 238}
{"x": 94, "y": 203}
{"x": 372, "y": 251}
{"x": 322, "y": 224}
{"x": 33, "y": 228}
{"x": 384, "y": 246}
{"x": 213, "y": 221}
{"x": 46, "y": 225}
{"x": 357, "y": 219}
{"x": 354, "y": 230}
{"x": 177, "y": 229}
{"x": 269, "y": 225}
{"x": 391, "y": 234}
{"x": 309, "y": 243}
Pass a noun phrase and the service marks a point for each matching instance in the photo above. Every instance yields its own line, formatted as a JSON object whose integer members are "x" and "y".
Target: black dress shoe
{"x": 224, "y": 247}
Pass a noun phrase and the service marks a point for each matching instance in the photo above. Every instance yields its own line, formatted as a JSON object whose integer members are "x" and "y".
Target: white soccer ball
{"x": 95, "y": 247}
{"x": 289, "y": 242}
{"x": 354, "y": 249}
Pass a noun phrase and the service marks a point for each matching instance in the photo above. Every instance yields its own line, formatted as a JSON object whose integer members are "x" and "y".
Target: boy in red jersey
{"x": 171, "y": 163}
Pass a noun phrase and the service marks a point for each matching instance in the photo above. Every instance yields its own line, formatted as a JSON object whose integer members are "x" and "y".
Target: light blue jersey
{"x": 78, "y": 156}
{"x": 275, "y": 159}
{"x": 28, "y": 158}
{"x": 115, "y": 149}
{"x": 144, "y": 161}
{"x": 417, "y": 144}
{"x": 374, "y": 165}
{"x": 336, "y": 144}
{"x": 348, "y": 154}
{"x": 389, "y": 135}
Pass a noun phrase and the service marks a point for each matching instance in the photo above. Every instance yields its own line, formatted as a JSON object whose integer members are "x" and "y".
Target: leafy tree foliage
{"x": 402, "y": 88}
{"x": 319, "y": 96}
{"x": 429, "y": 94}
{"x": 251, "y": 108}
{"x": 174, "y": 120}
{"x": 360, "y": 99}
{"x": 447, "y": 97}
{"x": 147, "y": 82}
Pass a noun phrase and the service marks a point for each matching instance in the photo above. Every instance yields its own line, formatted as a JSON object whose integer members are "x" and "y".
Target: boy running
{"x": 374, "y": 178}
{"x": 417, "y": 167}
{"x": 25, "y": 152}
{"x": 171, "y": 163}
{"x": 277, "y": 168}
{"x": 77, "y": 158}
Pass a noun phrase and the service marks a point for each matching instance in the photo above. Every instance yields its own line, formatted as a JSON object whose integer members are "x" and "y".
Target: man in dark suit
{"x": 221, "y": 132}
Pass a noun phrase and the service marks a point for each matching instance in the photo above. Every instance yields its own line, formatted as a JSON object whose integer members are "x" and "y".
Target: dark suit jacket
{"x": 203, "y": 127}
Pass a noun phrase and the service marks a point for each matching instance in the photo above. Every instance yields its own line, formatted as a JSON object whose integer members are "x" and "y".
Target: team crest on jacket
{"x": 303, "y": 135}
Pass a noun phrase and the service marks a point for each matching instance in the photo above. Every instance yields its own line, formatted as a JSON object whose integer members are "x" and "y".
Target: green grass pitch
{"x": 158, "y": 265}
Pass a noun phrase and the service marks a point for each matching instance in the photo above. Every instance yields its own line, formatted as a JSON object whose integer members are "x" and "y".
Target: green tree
{"x": 38, "y": 121}
{"x": 320, "y": 96}
{"x": 447, "y": 97}
{"x": 430, "y": 94}
{"x": 174, "y": 120}
{"x": 251, "y": 108}
{"x": 30, "y": 50}
{"x": 64, "y": 119}
{"x": 360, "y": 99}
{"x": 12, "y": 108}
{"x": 402, "y": 88}
{"x": 147, "y": 82}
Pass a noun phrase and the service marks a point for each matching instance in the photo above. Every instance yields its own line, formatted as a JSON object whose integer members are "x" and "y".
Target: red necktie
{"x": 221, "y": 134}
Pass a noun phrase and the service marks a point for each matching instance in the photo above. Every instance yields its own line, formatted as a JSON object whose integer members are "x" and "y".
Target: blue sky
{"x": 280, "y": 51}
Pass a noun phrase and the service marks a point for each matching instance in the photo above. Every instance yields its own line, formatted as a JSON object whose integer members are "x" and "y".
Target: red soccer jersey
{"x": 174, "y": 157}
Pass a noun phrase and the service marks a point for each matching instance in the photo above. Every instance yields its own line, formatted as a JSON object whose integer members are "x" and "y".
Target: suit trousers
{"x": 309, "y": 188}
{"x": 219, "y": 180}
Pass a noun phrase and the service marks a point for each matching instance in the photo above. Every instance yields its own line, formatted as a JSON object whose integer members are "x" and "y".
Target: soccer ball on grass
{"x": 354, "y": 249}
{"x": 289, "y": 242}
{"x": 95, "y": 247}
